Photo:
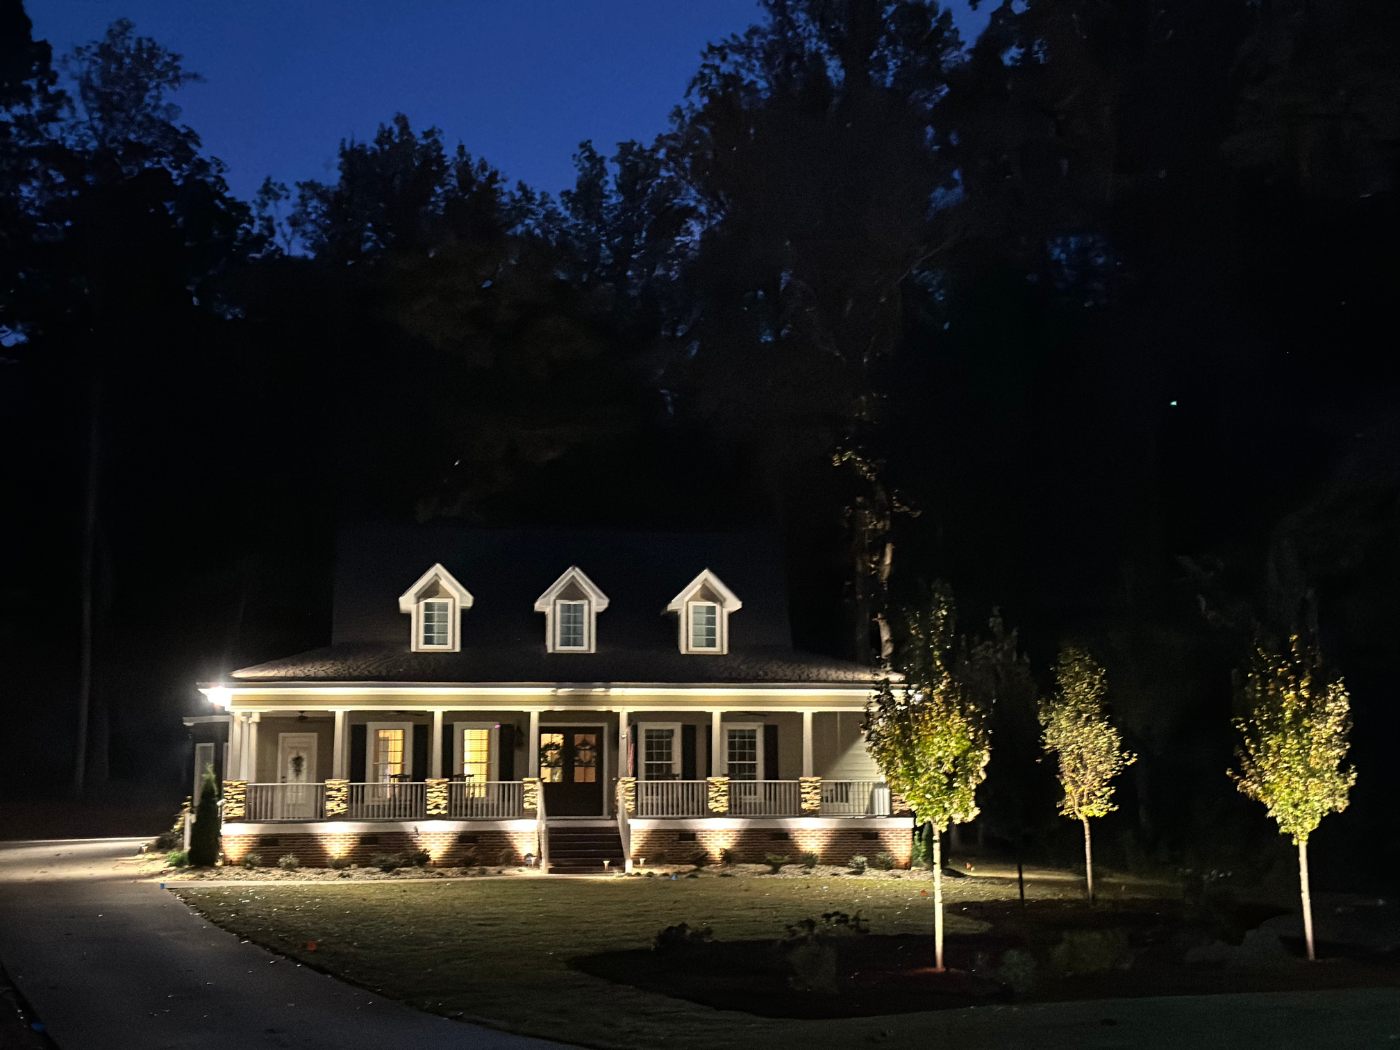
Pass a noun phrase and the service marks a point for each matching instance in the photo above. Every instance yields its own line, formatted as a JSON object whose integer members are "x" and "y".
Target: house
{"x": 555, "y": 698}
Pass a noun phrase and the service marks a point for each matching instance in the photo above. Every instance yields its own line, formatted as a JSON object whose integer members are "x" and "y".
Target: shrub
{"x": 171, "y": 838}
{"x": 204, "y": 836}
{"x": 177, "y": 858}
{"x": 252, "y": 860}
{"x": 775, "y": 862}
{"x": 469, "y": 857}
{"x": 289, "y": 862}
{"x": 1091, "y": 951}
{"x": 699, "y": 858}
{"x": 810, "y": 860}
{"x": 728, "y": 856}
{"x": 882, "y": 862}
{"x": 341, "y": 863}
{"x": 386, "y": 862}
{"x": 809, "y": 949}
{"x": 923, "y": 847}
{"x": 416, "y": 858}
{"x": 506, "y": 857}
{"x": 857, "y": 864}
{"x": 681, "y": 937}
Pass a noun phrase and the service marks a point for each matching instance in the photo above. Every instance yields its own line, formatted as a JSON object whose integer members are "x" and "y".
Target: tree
{"x": 928, "y": 737}
{"x": 1294, "y": 741}
{"x": 1076, "y": 730}
{"x": 204, "y": 836}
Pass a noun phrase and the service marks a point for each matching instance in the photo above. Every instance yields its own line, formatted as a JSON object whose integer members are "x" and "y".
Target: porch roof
{"x": 531, "y": 665}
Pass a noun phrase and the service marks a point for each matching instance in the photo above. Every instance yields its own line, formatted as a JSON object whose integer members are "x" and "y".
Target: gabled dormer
{"x": 571, "y": 606}
{"x": 435, "y": 604}
{"x": 702, "y": 609}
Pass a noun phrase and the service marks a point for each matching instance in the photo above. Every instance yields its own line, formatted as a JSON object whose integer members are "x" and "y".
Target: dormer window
{"x": 702, "y": 610}
{"x": 571, "y": 606}
{"x": 435, "y": 604}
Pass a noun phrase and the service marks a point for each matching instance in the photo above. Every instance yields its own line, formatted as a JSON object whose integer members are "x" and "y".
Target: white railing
{"x": 268, "y": 802}
{"x": 387, "y": 800}
{"x": 542, "y": 828}
{"x": 671, "y": 798}
{"x": 765, "y": 798}
{"x": 855, "y": 798}
{"x": 624, "y": 828}
{"x": 485, "y": 799}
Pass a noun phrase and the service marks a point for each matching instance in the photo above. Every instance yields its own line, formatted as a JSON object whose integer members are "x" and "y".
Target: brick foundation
{"x": 751, "y": 845}
{"x": 449, "y": 849}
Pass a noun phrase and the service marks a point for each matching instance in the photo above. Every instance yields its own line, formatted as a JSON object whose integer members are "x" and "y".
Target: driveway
{"x": 108, "y": 962}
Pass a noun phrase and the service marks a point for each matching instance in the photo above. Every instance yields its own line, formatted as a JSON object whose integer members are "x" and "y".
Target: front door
{"x": 571, "y": 769}
{"x": 296, "y": 772}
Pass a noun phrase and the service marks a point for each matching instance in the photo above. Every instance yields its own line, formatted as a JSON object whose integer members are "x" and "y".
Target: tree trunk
{"x": 87, "y": 588}
{"x": 938, "y": 900}
{"x": 1307, "y": 898}
{"x": 1088, "y": 859}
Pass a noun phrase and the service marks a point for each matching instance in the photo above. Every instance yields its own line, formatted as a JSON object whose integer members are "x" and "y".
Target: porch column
{"x": 234, "y": 765}
{"x": 807, "y": 763}
{"x": 624, "y": 768}
{"x": 716, "y": 746}
{"x": 250, "y": 749}
{"x": 338, "y": 747}
{"x": 532, "y": 746}
{"x": 435, "y": 747}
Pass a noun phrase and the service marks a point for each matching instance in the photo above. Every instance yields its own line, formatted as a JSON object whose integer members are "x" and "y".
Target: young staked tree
{"x": 1294, "y": 741}
{"x": 204, "y": 836}
{"x": 928, "y": 737}
{"x": 1089, "y": 750}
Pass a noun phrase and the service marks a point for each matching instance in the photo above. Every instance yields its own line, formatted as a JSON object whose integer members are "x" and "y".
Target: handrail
{"x": 671, "y": 798}
{"x": 267, "y": 802}
{"x": 765, "y": 798}
{"x": 542, "y": 830}
{"x": 624, "y": 827}
{"x": 485, "y": 799}
{"x": 854, "y": 798}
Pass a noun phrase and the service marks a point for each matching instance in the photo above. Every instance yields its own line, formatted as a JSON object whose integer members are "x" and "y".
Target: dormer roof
{"x": 574, "y": 583}
{"x": 706, "y": 582}
{"x": 444, "y": 580}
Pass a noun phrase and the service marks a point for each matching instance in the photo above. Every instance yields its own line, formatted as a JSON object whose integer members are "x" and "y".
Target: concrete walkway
{"x": 108, "y": 962}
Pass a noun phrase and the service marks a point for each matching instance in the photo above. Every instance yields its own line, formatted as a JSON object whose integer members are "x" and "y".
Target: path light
{"x": 606, "y": 862}
{"x": 530, "y": 860}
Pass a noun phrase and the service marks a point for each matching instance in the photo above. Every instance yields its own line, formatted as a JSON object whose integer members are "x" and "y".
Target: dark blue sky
{"x": 520, "y": 82}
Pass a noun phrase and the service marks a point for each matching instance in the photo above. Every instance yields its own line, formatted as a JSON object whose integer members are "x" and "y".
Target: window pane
{"x": 742, "y": 754}
{"x": 658, "y": 754}
{"x": 476, "y": 754}
{"x": 570, "y": 619}
{"x": 704, "y": 626}
{"x": 436, "y": 622}
{"x": 585, "y": 758}
{"x": 552, "y": 758}
{"x": 388, "y": 753}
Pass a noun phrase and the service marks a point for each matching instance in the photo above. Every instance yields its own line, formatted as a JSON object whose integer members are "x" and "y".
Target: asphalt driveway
{"x": 109, "y": 962}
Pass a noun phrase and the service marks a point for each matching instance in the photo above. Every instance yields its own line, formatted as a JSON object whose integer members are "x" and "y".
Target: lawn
{"x": 499, "y": 950}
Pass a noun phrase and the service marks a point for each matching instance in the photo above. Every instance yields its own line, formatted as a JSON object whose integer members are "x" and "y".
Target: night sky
{"x": 519, "y": 83}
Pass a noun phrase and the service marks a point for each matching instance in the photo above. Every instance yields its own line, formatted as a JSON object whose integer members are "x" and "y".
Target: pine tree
{"x": 1089, "y": 750}
{"x": 204, "y": 837}
{"x": 1294, "y": 741}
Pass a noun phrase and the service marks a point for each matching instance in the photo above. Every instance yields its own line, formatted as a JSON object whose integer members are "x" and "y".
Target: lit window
{"x": 658, "y": 754}
{"x": 388, "y": 754}
{"x": 476, "y": 754}
{"x": 741, "y": 754}
{"x": 552, "y": 758}
{"x": 571, "y": 620}
{"x": 704, "y": 625}
{"x": 437, "y": 623}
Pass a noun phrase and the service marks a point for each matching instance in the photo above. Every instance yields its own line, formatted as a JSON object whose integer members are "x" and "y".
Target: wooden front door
{"x": 571, "y": 770}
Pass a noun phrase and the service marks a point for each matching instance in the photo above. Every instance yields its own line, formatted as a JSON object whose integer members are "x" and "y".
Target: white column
{"x": 435, "y": 747}
{"x": 807, "y": 764}
{"x": 532, "y": 746}
{"x": 622, "y": 768}
{"x": 716, "y": 746}
{"x": 338, "y": 747}
{"x": 233, "y": 769}
{"x": 250, "y": 749}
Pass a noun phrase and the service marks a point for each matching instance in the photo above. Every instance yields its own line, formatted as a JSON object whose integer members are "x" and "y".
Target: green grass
{"x": 497, "y": 950}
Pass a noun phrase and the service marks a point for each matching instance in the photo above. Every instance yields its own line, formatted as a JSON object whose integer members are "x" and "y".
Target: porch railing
{"x": 387, "y": 800}
{"x": 270, "y": 802}
{"x": 855, "y": 798}
{"x": 765, "y": 798}
{"x": 485, "y": 800}
{"x": 671, "y": 798}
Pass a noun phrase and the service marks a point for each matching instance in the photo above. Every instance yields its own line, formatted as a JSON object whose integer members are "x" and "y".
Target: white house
{"x": 561, "y": 697}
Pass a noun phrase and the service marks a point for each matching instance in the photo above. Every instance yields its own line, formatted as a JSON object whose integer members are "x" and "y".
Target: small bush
{"x": 506, "y": 857}
{"x": 204, "y": 835}
{"x": 857, "y": 864}
{"x": 882, "y": 862}
{"x": 416, "y": 858}
{"x": 699, "y": 858}
{"x": 289, "y": 862}
{"x": 809, "y": 950}
{"x": 727, "y": 856}
{"x": 775, "y": 862}
{"x": 1091, "y": 951}
{"x": 810, "y": 860}
{"x": 469, "y": 857}
{"x": 341, "y": 863}
{"x": 177, "y": 858}
{"x": 252, "y": 860}
{"x": 386, "y": 862}
{"x": 681, "y": 937}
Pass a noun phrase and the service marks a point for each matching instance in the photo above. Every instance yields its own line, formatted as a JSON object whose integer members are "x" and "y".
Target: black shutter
{"x": 448, "y": 732}
{"x": 359, "y": 734}
{"x": 687, "y": 752}
{"x": 770, "y": 752}
{"x": 505, "y": 763}
{"x": 420, "y": 751}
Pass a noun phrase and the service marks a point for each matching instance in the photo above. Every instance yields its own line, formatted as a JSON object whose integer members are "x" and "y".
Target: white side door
{"x": 296, "y": 772}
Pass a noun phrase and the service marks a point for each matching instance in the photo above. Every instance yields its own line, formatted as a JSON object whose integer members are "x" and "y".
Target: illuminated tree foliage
{"x": 929, "y": 738}
{"x": 1088, "y": 749}
{"x": 1294, "y": 741}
